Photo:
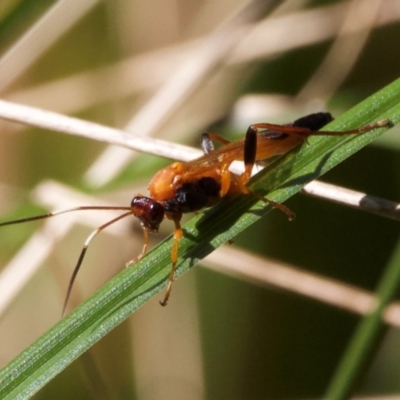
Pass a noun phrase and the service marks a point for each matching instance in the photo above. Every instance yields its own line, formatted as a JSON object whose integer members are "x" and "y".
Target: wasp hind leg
{"x": 249, "y": 156}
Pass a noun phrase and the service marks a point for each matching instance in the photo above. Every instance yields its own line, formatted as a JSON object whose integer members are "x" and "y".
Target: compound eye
{"x": 156, "y": 213}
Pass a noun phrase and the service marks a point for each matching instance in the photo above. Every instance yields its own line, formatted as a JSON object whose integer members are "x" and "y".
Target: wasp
{"x": 185, "y": 187}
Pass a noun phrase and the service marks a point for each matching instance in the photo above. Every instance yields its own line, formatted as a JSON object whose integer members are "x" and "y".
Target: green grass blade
{"x": 120, "y": 297}
{"x": 368, "y": 333}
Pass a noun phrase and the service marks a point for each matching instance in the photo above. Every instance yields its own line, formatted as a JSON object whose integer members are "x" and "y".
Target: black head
{"x": 149, "y": 212}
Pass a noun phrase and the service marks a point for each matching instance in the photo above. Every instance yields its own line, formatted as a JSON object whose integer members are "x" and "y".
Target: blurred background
{"x": 173, "y": 70}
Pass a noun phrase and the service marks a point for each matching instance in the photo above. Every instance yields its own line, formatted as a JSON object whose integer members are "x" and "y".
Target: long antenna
{"x": 59, "y": 212}
{"x": 88, "y": 240}
{"x": 82, "y": 255}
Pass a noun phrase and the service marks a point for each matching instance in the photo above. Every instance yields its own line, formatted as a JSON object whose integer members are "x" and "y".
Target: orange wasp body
{"x": 188, "y": 187}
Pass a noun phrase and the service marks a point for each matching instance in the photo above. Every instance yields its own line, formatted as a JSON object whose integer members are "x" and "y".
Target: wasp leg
{"x": 249, "y": 156}
{"x": 249, "y": 153}
{"x": 178, "y": 234}
{"x": 144, "y": 249}
{"x": 242, "y": 188}
{"x": 207, "y": 141}
{"x": 296, "y": 129}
